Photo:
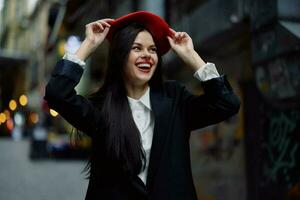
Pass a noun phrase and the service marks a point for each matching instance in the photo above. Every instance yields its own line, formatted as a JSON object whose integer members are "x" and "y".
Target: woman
{"x": 139, "y": 125}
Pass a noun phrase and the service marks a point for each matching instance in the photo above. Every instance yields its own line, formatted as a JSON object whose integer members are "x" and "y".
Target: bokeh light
{"x": 53, "y": 113}
{"x": 2, "y": 117}
{"x": 7, "y": 114}
{"x": 23, "y": 100}
{"x": 12, "y": 105}
{"x": 34, "y": 118}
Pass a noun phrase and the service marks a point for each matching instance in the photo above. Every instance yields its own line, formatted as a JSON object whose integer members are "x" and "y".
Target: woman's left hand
{"x": 181, "y": 43}
{"x": 183, "y": 46}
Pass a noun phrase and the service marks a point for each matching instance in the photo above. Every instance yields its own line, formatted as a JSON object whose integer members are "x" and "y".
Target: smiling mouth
{"x": 144, "y": 67}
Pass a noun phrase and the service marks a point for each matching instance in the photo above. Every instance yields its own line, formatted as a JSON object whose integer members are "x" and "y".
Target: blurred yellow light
{"x": 53, "y": 113}
{"x": 12, "y": 105}
{"x": 2, "y": 117}
{"x": 61, "y": 47}
{"x": 7, "y": 114}
{"x": 23, "y": 100}
{"x": 34, "y": 118}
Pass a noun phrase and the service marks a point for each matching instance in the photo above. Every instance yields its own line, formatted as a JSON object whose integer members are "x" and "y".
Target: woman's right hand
{"x": 95, "y": 33}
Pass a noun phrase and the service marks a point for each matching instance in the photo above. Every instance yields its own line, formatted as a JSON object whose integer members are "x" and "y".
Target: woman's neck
{"x": 136, "y": 91}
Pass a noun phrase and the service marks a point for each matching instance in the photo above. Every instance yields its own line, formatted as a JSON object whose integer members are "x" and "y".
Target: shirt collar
{"x": 145, "y": 99}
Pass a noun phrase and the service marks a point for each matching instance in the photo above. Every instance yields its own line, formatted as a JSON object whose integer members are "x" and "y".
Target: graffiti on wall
{"x": 280, "y": 153}
{"x": 282, "y": 147}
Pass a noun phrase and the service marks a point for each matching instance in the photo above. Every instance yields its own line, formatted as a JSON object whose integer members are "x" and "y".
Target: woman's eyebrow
{"x": 139, "y": 44}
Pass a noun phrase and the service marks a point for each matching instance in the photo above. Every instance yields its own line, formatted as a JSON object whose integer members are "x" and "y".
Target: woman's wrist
{"x": 193, "y": 60}
{"x": 85, "y": 49}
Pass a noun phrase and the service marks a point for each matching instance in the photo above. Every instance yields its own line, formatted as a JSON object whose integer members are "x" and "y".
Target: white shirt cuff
{"x": 207, "y": 72}
{"x": 74, "y": 58}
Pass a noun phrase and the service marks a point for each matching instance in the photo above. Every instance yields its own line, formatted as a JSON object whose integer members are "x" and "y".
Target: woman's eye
{"x": 136, "y": 48}
{"x": 153, "y": 50}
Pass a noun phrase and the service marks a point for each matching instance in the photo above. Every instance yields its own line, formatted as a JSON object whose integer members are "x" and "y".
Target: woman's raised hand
{"x": 181, "y": 42}
{"x": 95, "y": 33}
{"x": 183, "y": 46}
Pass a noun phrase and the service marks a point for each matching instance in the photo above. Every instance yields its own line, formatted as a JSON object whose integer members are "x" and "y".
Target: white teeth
{"x": 144, "y": 65}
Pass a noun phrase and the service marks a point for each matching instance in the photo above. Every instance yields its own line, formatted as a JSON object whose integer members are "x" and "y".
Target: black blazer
{"x": 176, "y": 112}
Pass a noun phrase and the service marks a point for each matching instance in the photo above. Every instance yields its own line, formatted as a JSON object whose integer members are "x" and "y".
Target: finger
{"x": 105, "y": 31}
{"x": 172, "y": 30}
{"x": 105, "y": 21}
{"x": 181, "y": 35}
{"x": 185, "y": 35}
{"x": 101, "y": 20}
{"x": 108, "y": 20}
{"x": 89, "y": 24}
{"x": 100, "y": 26}
{"x": 90, "y": 28}
{"x": 171, "y": 41}
{"x": 177, "y": 35}
{"x": 95, "y": 28}
{"x": 105, "y": 24}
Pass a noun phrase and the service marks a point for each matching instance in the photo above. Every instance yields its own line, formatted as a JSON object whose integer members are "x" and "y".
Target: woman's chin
{"x": 143, "y": 77}
{"x": 140, "y": 80}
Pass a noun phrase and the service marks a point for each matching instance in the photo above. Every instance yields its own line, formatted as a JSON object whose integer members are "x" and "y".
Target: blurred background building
{"x": 254, "y": 155}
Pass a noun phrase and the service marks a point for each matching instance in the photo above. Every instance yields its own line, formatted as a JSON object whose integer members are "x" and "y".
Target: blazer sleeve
{"x": 62, "y": 97}
{"x": 217, "y": 104}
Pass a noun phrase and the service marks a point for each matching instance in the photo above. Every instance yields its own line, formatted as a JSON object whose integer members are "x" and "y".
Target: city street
{"x": 126, "y": 81}
{"x": 38, "y": 180}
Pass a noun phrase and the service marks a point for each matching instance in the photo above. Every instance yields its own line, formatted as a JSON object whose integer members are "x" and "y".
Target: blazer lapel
{"x": 161, "y": 106}
{"x": 139, "y": 186}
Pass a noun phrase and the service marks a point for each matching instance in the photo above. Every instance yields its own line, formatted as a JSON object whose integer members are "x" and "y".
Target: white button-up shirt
{"x": 142, "y": 112}
{"x": 144, "y": 120}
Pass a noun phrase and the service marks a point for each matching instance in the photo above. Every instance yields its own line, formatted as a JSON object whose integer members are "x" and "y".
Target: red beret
{"x": 158, "y": 28}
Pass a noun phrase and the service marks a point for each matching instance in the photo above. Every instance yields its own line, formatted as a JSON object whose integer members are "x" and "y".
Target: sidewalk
{"x": 21, "y": 178}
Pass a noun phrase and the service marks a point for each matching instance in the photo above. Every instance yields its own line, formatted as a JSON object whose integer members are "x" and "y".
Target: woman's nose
{"x": 146, "y": 54}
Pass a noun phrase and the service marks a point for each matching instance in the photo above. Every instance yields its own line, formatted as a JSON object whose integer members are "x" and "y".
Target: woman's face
{"x": 142, "y": 59}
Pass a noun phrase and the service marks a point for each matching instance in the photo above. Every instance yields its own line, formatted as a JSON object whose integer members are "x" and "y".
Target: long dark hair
{"x": 122, "y": 138}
